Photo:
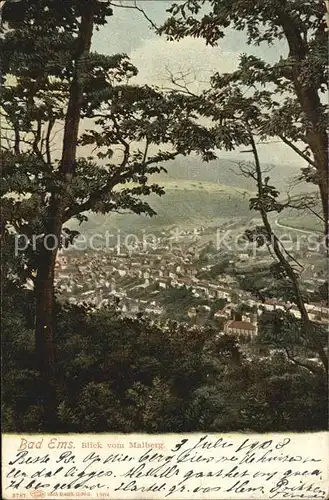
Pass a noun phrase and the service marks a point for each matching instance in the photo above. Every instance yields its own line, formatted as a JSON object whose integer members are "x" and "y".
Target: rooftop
{"x": 241, "y": 325}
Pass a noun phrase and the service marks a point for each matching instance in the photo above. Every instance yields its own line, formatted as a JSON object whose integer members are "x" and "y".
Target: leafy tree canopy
{"x": 281, "y": 99}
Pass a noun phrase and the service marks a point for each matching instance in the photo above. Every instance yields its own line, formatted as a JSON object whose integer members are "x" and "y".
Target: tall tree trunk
{"x": 44, "y": 312}
{"x": 318, "y": 142}
{"x": 309, "y": 100}
{"x": 308, "y": 327}
{"x": 44, "y": 340}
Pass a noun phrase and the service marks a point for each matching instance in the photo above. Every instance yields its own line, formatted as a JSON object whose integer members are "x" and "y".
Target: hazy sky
{"x": 129, "y": 32}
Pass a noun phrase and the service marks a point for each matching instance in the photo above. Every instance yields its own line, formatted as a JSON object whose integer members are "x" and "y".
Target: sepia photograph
{"x": 164, "y": 224}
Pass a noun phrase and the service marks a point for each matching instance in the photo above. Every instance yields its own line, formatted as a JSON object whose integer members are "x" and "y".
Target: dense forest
{"x": 121, "y": 375}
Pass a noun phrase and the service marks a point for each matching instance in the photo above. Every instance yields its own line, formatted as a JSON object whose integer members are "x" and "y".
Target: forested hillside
{"x": 185, "y": 203}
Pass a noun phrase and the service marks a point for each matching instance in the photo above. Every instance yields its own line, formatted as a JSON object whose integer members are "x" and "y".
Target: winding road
{"x": 277, "y": 223}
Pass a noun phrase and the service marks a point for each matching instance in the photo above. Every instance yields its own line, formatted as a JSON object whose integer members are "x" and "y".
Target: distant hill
{"x": 196, "y": 193}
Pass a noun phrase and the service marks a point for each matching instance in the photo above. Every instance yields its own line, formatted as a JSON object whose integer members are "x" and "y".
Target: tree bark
{"x": 44, "y": 340}
{"x": 308, "y": 326}
{"x": 318, "y": 142}
{"x": 44, "y": 310}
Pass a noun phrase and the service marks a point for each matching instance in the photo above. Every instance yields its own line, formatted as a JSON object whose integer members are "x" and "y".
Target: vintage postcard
{"x": 164, "y": 246}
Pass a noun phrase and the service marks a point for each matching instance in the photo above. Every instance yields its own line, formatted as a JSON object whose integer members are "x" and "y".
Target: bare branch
{"x": 182, "y": 87}
{"x": 51, "y": 124}
{"x": 145, "y": 153}
{"x": 15, "y": 129}
{"x": 305, "y": 203}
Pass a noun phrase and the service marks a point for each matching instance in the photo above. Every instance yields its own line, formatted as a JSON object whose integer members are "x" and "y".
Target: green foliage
{"x": 115, "y": 374}
{"x": 280, "y": 99}
{"x": 20, "y": 381}
{"x": 177, "y": 301}
{"x": 281, "y": 329}
{"x": 322, "y": 293}
{"x": 216, "y": 305}
{"x": 215, "y": 270}
{"x": 41, "y": 71}
{"x": 268, "y": 282}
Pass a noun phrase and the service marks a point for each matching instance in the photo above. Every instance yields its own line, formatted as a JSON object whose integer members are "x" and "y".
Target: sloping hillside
{"x": 226, "y": 172}
{"x": 196, "y": 193}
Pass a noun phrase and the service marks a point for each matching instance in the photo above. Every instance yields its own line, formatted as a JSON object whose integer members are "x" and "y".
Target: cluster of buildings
{"x": 106, "y": 275}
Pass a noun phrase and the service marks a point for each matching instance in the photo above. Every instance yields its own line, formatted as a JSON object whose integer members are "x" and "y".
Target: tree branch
{"x": 17, "y": 139}
{"x": 15, "y": 128}
{"x": 51, "y": 124}
{"x": 136, "y": 7}
{"x": 303, "y": 205}
{"x": 182, "y": 87}
{"x": 106, "y": 189}
{"x": 126, "y": 151}
{"x": 311, "y": 332}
